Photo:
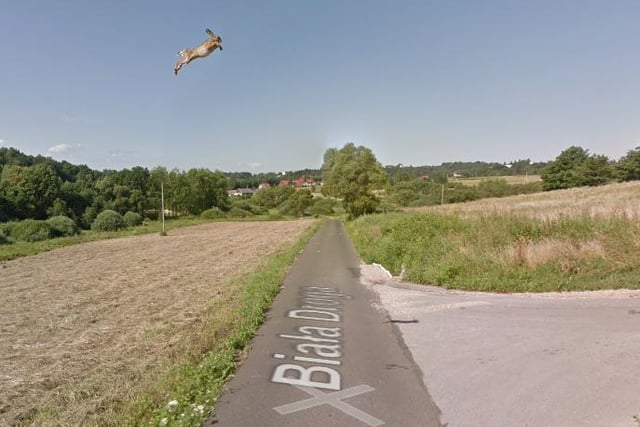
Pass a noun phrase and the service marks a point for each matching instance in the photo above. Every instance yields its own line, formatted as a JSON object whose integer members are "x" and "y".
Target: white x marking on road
{"x": 334, "y": 399}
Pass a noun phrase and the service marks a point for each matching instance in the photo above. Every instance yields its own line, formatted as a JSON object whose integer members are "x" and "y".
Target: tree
{"x": 574, "y": 167}
{"x": 628, "y": 168}
{"x": 352, "y": 173}
{"x": 6, "y": 211}
{"x": 565, "y": 170}
{"x": 596, "y": 171}
{"x": 298, "y": 203}
{"x": 272, "y": 197}
{"x": 30, "y": 190}
{"x": 206, "y": 189}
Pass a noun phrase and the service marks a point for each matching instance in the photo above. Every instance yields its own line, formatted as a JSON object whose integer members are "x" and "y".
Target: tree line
{"x": 355, "y": 176}
{"x": 38, "y": 187}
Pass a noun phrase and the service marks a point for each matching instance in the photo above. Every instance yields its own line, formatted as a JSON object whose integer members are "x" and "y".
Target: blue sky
{"x": 419, "y": 82}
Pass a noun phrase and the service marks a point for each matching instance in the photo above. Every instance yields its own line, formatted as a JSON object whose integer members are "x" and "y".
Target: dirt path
{"x": 84, "y": 323}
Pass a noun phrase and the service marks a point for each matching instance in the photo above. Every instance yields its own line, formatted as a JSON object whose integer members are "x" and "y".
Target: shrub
{"x": 238, "y": 212}
{"x": 297, "y": 203}
{"x": 275, "y": 215}
{"x": 132, "y": 219}
{"x": 88, "y": 216}
{"x": 213, "y": 213}
{"x": 249, "y": 205}
{"x": 31, "y": 230}
{"x": 62, "y": 226}
{"x": 323, "y": 207}
{"x": 6, "y": 227}
{"x": 108, "y": 220}
{"x": 4, "y": 240}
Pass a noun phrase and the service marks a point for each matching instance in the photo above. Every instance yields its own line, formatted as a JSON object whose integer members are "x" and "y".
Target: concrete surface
{"x": 560, "y": 359}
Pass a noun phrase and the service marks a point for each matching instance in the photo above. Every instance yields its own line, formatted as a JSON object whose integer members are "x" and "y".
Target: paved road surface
{"x": 325, "y": 356}
{"x": 523, "y": 360}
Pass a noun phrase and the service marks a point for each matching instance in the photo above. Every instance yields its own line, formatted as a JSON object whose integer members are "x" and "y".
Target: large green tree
{"x": 352, "y": 174}
{"x": 298, "y": 202}
{"x": 30, "y": 190}
{"x": 628, "y": 168}
{"x": 204, "y": 190}
{"x": 574, "y": 167}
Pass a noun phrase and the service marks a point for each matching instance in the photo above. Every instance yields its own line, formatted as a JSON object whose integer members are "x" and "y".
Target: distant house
{"x": 264, "y": 186}
{"x": 304, "y": 182}
{"x": 238, "y": 192}
{"x": 284, "y": 183}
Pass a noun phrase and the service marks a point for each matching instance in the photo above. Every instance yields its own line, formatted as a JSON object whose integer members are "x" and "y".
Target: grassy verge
{"x": 504, "y": 253}
{"x": 185, "y": 394}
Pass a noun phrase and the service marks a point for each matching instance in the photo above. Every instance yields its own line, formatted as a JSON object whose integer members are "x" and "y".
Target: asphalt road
{"x": 325, "y": 355}
{"x": 563, "y": 360}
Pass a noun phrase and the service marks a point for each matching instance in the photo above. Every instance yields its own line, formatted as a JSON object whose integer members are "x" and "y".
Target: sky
{"x": 418, "y": 82}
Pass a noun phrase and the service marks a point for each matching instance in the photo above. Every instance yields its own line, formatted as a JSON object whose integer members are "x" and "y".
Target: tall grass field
{"x": 578, "y": 239}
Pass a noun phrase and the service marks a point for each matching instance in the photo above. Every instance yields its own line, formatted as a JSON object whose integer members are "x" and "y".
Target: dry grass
{"x": 535, "y": 254}
{"x": 86, "y": 327}
{"x": 577, "y": 239}
{"x": 511, "y": 179}
{"x": 610, "y": 201}
{"x": 618, "y": 201}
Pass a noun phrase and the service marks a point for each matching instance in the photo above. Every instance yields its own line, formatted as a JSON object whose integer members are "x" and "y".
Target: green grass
{"x": 503, "y": 253}
{"x": 186, "y": 395}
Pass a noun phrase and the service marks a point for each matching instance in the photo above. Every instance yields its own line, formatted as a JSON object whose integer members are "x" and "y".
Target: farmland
{"x": 88, "y": 329}
{"x": 510, "y": 179}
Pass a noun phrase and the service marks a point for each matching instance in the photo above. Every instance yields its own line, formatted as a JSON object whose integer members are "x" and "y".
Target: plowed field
{"x": 82, "y": 326}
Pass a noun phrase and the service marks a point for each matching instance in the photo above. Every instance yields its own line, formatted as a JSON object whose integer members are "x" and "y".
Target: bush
{"x": 62, "y": 226}
{"x": 323, "y": 207}
{"x": 108, "y": 220}
{"x": 4, "y": 240}
{"x": 31, "y": 230}
{"x": 238, "y": 212}
{"x": 213, "y": 213}
{"x": 249, "y": 205}
{"x": 6, "y": 227}
{"x": 132, "y": 219}
{"x": 88, "y": 216}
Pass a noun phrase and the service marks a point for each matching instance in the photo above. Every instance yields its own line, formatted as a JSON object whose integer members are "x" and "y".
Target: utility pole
{"x": 162, "y": 203}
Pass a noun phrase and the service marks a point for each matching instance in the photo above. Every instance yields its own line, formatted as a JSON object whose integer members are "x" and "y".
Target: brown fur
{"x": 205, "y": 49}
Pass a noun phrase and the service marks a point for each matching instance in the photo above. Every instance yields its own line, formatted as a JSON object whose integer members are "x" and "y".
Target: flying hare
{"x": 205, "y": 49}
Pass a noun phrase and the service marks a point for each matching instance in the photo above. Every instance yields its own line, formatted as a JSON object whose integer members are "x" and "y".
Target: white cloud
{"x": 254, "y": 165}
{"x": 1, "y": 142}
{"x": 60, "y": 148}
{"x": 121, "y": 153}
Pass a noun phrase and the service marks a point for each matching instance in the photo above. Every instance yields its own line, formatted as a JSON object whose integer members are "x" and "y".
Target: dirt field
{"x": 79, "y": 326}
